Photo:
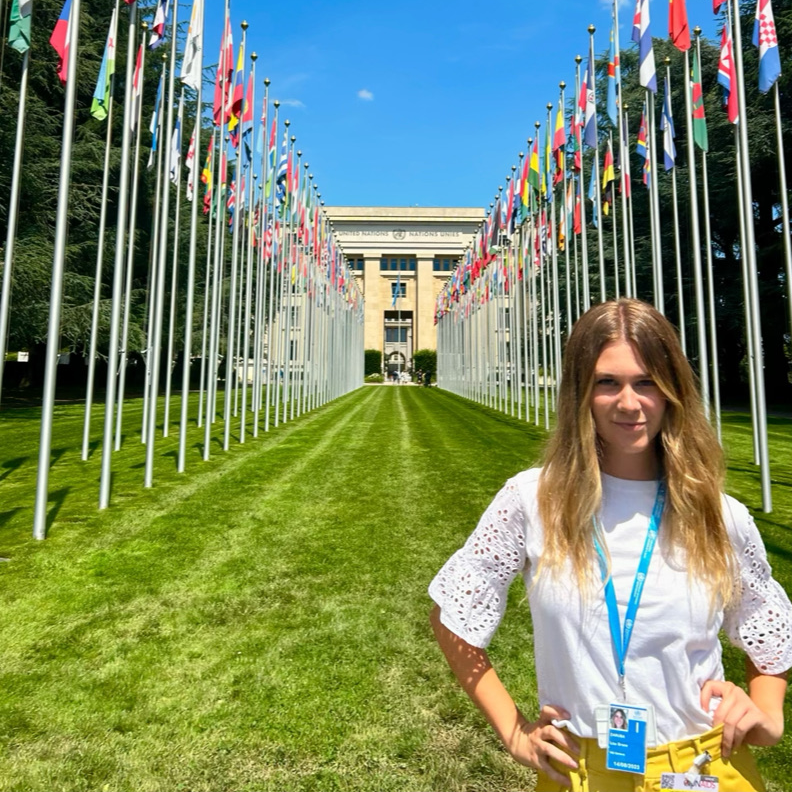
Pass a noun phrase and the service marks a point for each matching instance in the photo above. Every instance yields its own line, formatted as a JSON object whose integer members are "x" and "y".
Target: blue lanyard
{"x": 621, "y": 638}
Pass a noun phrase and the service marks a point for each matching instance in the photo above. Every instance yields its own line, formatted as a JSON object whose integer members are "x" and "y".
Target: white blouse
{"x": 674, "y": 647}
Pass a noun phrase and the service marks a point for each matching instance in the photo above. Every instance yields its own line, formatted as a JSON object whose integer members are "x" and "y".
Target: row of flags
{"x": 532, "y": 186}
{"x": 232, "y": 107}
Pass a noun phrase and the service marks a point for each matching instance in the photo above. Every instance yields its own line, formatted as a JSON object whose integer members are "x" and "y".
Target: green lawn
{"x": 260, "y": 623}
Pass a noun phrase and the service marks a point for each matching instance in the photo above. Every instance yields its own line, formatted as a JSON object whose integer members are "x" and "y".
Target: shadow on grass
{"x": 58, "y": 498}
{"x": 7, "y": 516}
{"x": 55, "y": 455}
{"x": 92, "y": 446}
{"x": 11, "y": 465}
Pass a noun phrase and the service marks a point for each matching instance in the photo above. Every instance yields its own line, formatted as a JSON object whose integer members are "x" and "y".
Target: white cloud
{"x": 292, "y": 103}
{"x": 366, "y": 95}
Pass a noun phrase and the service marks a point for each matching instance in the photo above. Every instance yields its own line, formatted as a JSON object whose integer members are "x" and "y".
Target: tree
{"x": 372, "y": 362}
{"x": 425, "y": 360}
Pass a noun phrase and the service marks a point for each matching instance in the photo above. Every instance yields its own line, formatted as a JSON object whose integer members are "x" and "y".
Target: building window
{"x": 402, "y": 289}
{"x": 393, "y": 264}
{"x": 356, "y": 264}
{"x": 445, "y": 264}
{"x": 395, "y": 335}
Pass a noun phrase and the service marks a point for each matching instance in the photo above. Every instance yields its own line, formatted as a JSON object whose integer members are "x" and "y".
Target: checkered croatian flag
{"x": 765, "y": 38}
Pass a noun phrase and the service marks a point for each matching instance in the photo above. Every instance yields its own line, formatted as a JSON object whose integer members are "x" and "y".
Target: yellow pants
{"x": 738, "y": 773}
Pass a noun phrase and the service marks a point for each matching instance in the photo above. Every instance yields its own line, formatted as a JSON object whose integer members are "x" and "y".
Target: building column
{"x": 373, "y": 333}
{"x": 423, "y": 318}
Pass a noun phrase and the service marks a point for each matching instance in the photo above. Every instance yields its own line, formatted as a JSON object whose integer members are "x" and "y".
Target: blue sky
{"x": 420, "y": 103}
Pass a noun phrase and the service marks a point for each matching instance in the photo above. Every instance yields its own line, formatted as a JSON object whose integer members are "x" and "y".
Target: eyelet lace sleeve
{"x": 760, "y": 621}
{"x": 471, "y": 587}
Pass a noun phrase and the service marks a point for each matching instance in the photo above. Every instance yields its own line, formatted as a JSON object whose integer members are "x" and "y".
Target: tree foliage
{"x": 32, "y": 266}
{"x": 724, "y": 217}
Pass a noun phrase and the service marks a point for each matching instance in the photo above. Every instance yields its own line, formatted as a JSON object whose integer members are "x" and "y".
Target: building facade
{"x": 401, "y": 257}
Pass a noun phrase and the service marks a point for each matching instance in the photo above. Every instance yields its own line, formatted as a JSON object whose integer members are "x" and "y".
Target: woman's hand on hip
{"x": 535, "y": 744}
{"x": 743, "y": 720}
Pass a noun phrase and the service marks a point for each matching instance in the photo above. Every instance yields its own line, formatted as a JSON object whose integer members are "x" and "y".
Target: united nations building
{"x": 401, "y": 257}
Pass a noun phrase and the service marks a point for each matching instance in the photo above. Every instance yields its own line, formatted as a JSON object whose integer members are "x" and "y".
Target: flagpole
{"x": 624, "y": 154}
{"x": 196, "y": 81}
{"x": 784, "y": 203}
{"x": 231, "y": 349}
{"x": 13, "y": 213}
{"x": 655, "y": 203}
{"x": 174, "y": 171}
{"x": 600, "y": 244}
{"x": 158, "y": 123}
{"x": 272, "y": 270}
{"x": 56, "y": 293}
{"x": 258, "y": 322}
{"x": 749, "y": 253}
{"x": 219, "y": 218}
{"x": 565, "y": 179}
{"x": 99, "y": 259}
{"x": 581, "y": 178}
{"x": 249, "y": 255}
{"x": 136, "y": 121}
{"x": 615, "y": 233}
{"x": 677, "y": 246}
{"x": 205, "y": 323}
{"x": 628, "y": 182}
{"x": 161, "y": 264}
{"x": 713, "y": 327}
{"x": 556, "y": 294}
{"x": 701, "y": 322}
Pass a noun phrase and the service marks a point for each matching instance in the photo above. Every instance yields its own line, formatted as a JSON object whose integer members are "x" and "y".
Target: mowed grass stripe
{"x": 261, "y": 624}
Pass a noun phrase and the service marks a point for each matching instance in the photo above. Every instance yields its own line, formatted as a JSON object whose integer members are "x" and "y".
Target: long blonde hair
{"x": 570, "y": 490}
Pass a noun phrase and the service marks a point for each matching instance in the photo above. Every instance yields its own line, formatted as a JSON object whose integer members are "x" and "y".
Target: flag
{"x": 534, "y": 179}
{"x": 678, "y": 27}
{"x": 590, "y": 119}
{"x": 271, "y": 161}
{"x": 625, "y": 165}
{"x": 192, "y": 61}
{"x": 225, "y": 71}
{"x": 559, "y": 142}
{"x": 642, "y": 36}
{"x": 640, "y": 145}
{"x": 137, "y": 89}
{"x": 206, "y": 175}
{"x": 396, "y": 290}
{"x": 608, "y": 171}
{"x": 613, "y": 66}
{"x": 189, "y": 164}
{"x": 592, "y": 191}
{"x": 60, "y": 40}
{"x": 19, "y": 31}
{"x": 153, "y": 126}
{"x": 175, "y": 153}
{"x": 727, "y": 76}
{"x": 667, "y": 125}
{"x": 716, "y": 4}
{"x": 765, "y": 38}
{"x": 101, "y": 97}
{"x": 699, "y": 119}
{"x": 282, "y": 173}
{"x": 158, "y": 26}
{"x": 547, "y": 174}
{"x": 237, "y": 98}
{"x": 247, "y": 124}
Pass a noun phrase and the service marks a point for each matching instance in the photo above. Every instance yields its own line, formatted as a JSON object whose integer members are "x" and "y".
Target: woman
{"x": 633, "y": 460}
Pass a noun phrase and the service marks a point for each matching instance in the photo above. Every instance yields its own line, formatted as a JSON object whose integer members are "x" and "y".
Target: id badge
{"x": 627, "y": 734}
{"x": 686, "y": 782}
